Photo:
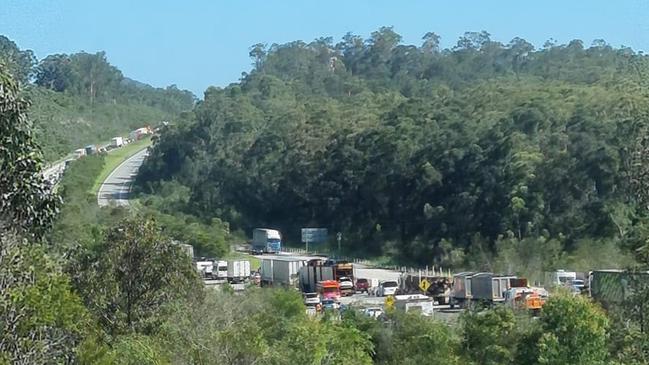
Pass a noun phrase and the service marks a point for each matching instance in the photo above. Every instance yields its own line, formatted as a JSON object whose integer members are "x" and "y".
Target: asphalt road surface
{"x": 116, "y": 188}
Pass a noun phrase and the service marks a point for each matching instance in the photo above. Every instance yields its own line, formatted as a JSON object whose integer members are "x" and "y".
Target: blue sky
{"x": 195, "y": 44}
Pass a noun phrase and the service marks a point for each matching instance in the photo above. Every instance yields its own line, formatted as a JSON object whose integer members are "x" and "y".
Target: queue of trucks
{"x": 232, "y": 271}
{"x": 327, "y": 280}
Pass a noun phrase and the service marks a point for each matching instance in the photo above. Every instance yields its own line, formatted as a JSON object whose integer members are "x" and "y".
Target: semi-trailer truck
{"x": 489, "y": 288}
{"x": 280, "y": 271}
{"x": 266, "y": 240}
{"x": 312, "y": 273}
{"x": 238, "y": 270}
{"x": 461, "y": 289}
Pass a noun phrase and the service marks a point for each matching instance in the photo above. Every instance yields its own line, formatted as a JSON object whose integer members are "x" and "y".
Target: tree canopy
{"x": 416, "y": 151}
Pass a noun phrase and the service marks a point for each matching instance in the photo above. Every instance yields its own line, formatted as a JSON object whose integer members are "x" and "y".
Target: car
{"x": 330, "y": 304}
{"x": 388, "y": 287}
{"x": 374, "y": 312}
{"x": 346, "y": 285}
{"x": 256, "y": 278}
{"x": 577, "y": 283}
{"x": 311, "y": 299}
{"x": 362, "y": 285}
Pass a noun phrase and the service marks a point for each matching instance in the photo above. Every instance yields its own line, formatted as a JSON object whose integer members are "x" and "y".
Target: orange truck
{"x": 527, "y": 298}
{"x": 328, "y": 289}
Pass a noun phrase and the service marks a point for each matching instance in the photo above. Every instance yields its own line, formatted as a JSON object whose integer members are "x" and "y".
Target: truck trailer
{"x": 461, "y": 289}
{"x": 117, "y": 142}
{"x": 238, "y": 270}
{"x": 489, "y": 288}
{"x": 266, "y": 240}
{"x": 280, "y": 271}
{"x": 310, "y": 275}
{"x": 612, "y": 287}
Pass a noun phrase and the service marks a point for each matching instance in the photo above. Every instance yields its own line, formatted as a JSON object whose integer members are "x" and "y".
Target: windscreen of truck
{"x": 330, "y": 290}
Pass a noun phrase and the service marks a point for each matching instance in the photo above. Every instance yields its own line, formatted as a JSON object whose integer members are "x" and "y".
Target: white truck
{"x": 266, "y": 240}
{"x": 281, "y": 271}
{"x": 417, "y": 303}
{"x": 117, "y": 142}
{"x": 559, "y": 278}
{"x": 221, "y": 268}
{"x": 238, "y": 270}
{"x": 206, "y": 269}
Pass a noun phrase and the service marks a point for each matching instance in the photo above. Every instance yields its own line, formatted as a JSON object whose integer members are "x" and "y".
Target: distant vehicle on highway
{"x": 266, "y": 240}
{"x": 116, "y": 142}
{"x": 238, "y": 270}
{"x": 330, "y": 304}
{"x": 577, "y": 284}
{"x": 221, "y": 269}
{"x": 280, "y": 271}
{"x": 311, "y": 299}
{"x": 362, "y": 285}
{"x": 386, "y": 288}
{"x": 346, "y": 286}
{"x": 374, "y": 312}
{"x": 418, "y": 303}
{"x": 206, "y": 269}
{"x": 256, "y": 278}
{"x": 329, "y": 289}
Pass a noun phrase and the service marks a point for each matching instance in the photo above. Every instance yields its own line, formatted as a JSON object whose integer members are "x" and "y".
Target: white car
{"x": 387, "y": 288}
{"x": 346, "y": 283}
{"x": 374, "y": 312}
{"x": 311, "y": 299}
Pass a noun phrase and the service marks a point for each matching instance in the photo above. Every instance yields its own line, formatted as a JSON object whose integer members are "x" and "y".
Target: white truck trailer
{"x": 238, "y": 270}
{"x": 206, "y": 269}
{"x": 117, "y": 142}
{"x": 281, "y": 271}
{"x": 310, "y": 275}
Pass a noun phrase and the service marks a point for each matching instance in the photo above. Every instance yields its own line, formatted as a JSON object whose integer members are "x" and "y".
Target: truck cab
{"x": 328, "y": 289}
{"x": 266, "y": 240}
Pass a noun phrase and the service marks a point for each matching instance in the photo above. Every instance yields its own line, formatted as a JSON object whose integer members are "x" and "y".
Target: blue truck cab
{"x": 266, "y": 240}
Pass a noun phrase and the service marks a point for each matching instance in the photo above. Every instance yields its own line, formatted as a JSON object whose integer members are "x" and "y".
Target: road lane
{"x": 116, "y": 188}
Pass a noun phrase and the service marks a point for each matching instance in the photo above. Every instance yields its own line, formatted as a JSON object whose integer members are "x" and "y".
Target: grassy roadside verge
{"x": 115, "y": 158}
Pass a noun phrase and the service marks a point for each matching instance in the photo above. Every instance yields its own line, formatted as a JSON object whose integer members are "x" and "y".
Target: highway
{"x": 116, "y": 188}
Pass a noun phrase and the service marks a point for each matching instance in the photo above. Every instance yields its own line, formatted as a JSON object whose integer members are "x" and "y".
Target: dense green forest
{"x": 83, "y": 285}
{"x": 470, "y": 156}
{"x": 81, "y": 98}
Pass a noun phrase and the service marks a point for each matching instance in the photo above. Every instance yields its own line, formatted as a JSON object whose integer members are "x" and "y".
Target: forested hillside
{"x": 81, "y": 98}
{"x": 482, "y": 153}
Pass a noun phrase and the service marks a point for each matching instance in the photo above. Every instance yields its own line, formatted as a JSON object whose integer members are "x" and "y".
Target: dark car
{"x": 362, "y": 285}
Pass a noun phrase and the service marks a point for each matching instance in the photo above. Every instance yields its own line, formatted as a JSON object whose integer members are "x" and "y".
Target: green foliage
{"x": 81, "y": 98}
{"x": 417, "y": 340}
{"x": 572, "y": 330}
{"x": 78, "y": 222}
{"x": 132, "y": 274}
{"x": 435, "y": 147}
{"x": 488, "y": 336}
{"x": 64, "y": 122}
{"x": 19, "y": 63}
{"x": 209, "y": 237}
{"x": 41, "y": 319}
{"x": 26, "y": 205}
{"x": 260, "y": 326}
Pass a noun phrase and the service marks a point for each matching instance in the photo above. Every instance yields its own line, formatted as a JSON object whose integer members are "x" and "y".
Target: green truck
{"x": 613, "y": 287}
